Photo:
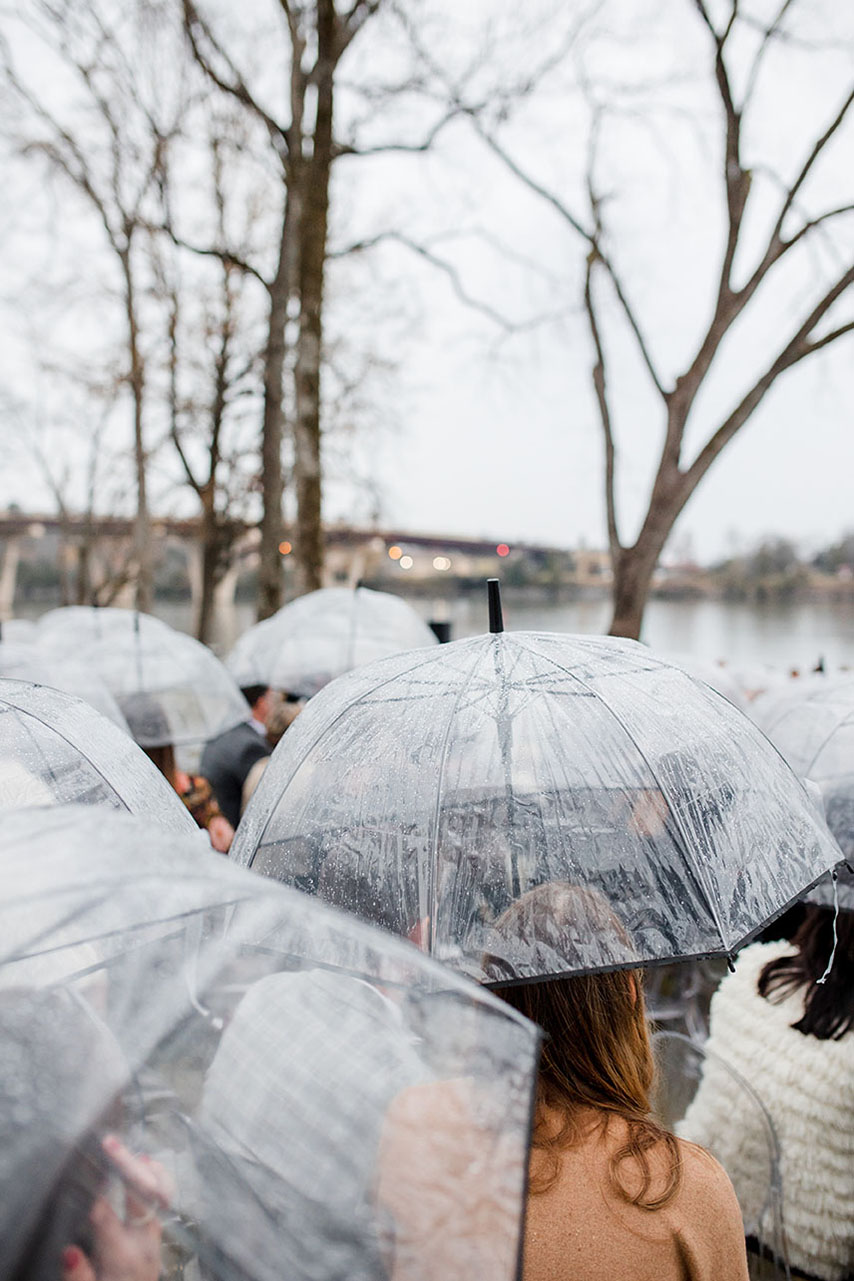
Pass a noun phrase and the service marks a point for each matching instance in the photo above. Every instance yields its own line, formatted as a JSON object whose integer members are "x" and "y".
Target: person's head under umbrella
{"x": 150, "y": 728}
{"x": 601, "y": 1165}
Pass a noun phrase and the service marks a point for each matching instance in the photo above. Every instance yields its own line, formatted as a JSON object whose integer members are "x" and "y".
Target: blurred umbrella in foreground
{"x": 363, "y": 1113}
{"x": 324, "y": 634}
{"x": 55, "y": 749}
{"x": 432, "y": 791}
{"x": 30, "y": 663}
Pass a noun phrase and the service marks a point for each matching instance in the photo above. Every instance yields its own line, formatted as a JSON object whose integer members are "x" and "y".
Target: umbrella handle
{"x": 496, "y": 618}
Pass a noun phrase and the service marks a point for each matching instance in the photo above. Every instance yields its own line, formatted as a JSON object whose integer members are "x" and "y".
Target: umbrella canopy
{"x": 469, "y": 796}
{"x": 30, "y": 663}
{"x": 324, "y": 634}
{"x": 702, "y": 669}
{"x": 74, "y": 626}
{"x": 813, "y": 727}
{"x": 19, "y": 630}
{"x": 55, "y": 749}
{"x": 170, "y": 687}
{"x": 330, "y": 1103}
{"x": 838, "y": 797}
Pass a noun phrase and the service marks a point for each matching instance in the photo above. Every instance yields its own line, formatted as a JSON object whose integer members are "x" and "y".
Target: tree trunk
{"x": 633, "y": 567}
{"x": 142, "y": 523}
{"x": 633, "y": 572}
{"x": 210, "y": 566}
{"x": 272, "y": 481}
{"x": 313, "y": 231}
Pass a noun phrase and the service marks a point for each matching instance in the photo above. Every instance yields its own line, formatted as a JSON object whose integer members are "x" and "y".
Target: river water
{"x": 786, "y": 635}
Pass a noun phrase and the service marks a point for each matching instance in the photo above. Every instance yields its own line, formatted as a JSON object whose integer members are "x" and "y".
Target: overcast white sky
{"x": 496, "y": 435}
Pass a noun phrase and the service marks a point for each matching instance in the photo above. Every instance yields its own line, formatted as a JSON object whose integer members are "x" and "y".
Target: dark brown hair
{"x": 164, "y": 758}
{"x": 596, "y": 1055}
{"x": 829, "y": 1006}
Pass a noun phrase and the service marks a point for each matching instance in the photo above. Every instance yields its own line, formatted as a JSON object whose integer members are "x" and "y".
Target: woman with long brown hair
{"x": 612, "y": 1194}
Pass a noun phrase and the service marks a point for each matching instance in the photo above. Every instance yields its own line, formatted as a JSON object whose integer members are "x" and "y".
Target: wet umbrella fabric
{"x": 55, "y": 750}
{"x": 434, "y": 791}
{"x": 719, "y": 678}
{"x": 20, "y": 631}
{"x": 324, "y": 634}
{"x": 30, "y": 663}
{"x": 325, "y": 1097}
{"x": 170, "y": 687}
{"x": 838, "y": 797}
{"x": 813, "y": 727}
{"x": 76, "y": 626}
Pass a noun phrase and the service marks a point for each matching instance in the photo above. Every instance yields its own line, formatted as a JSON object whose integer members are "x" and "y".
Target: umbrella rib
{"x": 433, "y": 853}
{"x": 686, "y": 844}
{"x": 846, "y": 715}
{"x": 354, "y": 702}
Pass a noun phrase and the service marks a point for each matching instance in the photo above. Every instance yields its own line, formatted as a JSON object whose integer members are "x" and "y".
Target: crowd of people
{"x": 612, "y": 1192}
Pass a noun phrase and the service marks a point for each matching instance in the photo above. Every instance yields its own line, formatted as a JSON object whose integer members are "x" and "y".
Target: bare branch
{"x": 736, "y": 179}
{"x": 816, "y": 222}
{"x": 597, "y": 254}
{"x": 447, "y": 269}
{"x": 351, "y": 24}
{"x": 828, "y": 338}
{"x": 345, "y": 149}
{"x": 225, "y": 256}
{"x": 601, "y": 390}
{"x": 529, "y": 181}
{"x": 819, "y": 146}
{"x": 771, "y": 33}
{"x": 795, "y": 350}
{"x": 236, "y": 87}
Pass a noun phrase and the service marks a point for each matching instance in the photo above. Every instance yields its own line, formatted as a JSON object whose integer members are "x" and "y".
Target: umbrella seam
{"x": 266, "y": 784}
{"x": 695, "y": 874}
{"x": 439, "y": 788}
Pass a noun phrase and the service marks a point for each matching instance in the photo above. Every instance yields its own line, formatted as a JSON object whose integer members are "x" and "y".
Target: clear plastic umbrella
{"x": 813, "y": 727}
{"x": 30, "y": 663}
{"x": 170, "y": 688}
{"x": 528, "y": 804}
{"x": 21, "y": 631}
{"x": 712, "y": 674}
{"x": 329, "y": 1103}
{"x": 55, "y": 749}
{"x": 838, "y": 797}
{"x": 81, "y": 625}
{"x": 324, "y": 634}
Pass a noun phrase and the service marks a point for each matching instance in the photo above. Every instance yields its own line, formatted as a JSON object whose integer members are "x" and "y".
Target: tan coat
{"x": 581, "y": 1229}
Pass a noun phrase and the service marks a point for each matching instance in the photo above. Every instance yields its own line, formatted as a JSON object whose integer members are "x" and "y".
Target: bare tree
{"x": 316, "y": 37}
{"x": 113, "y": 164}
{"x": 207, "y": 407}
{"x": 742, "y": 272}
{"x": 67, "y": 439}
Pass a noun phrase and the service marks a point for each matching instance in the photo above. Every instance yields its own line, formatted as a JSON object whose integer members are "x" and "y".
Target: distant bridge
{"x": 352, "y": 553}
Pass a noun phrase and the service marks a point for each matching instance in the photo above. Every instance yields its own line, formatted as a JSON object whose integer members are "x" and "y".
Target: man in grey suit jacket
{"x": 228, "y": 758}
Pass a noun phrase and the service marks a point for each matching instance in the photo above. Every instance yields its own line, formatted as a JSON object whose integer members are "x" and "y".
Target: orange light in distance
{"x": 285, "y": 548}
{"x": 395, "y": 552}
{"x": 502, "y": 549}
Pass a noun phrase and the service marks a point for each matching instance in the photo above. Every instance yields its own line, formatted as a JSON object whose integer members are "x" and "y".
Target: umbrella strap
{"x": 824, "y": 976}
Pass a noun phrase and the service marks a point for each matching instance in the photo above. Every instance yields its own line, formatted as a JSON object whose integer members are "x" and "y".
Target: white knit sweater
{"x": 807, "y": 1086}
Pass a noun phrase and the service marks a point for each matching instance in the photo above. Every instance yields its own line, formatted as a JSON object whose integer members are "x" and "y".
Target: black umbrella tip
{"x": 496, "y": 618}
